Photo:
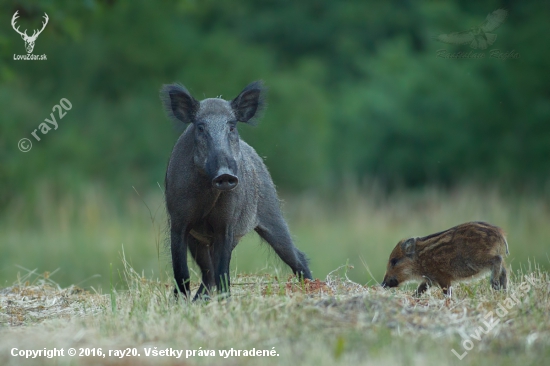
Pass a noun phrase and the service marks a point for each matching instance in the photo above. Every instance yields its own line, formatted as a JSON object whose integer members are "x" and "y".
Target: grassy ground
{"x": 331, "y": 322}
{"x": 100, "y": 298}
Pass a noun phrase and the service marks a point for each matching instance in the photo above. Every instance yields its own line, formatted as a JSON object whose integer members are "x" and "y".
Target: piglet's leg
{"x": 421, "y": 289}
{"x": 503, "y": 278}
{"x": 446, "y": 287}
{"x": 496, "y": 272}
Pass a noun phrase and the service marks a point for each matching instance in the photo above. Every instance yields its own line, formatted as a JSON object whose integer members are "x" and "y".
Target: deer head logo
{"x": 29, "y": 40}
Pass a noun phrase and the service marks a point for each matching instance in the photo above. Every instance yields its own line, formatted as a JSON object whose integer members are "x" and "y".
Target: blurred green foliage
{"x": 356, "y": 90}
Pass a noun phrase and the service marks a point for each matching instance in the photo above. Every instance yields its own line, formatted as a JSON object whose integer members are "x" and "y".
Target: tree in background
{"x": 356, "y": 89}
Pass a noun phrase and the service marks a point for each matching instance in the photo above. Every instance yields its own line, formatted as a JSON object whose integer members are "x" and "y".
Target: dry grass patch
{"x": 330, "y": 322}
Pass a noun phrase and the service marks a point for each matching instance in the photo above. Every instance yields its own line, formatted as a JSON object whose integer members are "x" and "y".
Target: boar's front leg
{"x": 221, "y": 257}
{"x": 201, "y": 253}
{"x": 178, "y": 246}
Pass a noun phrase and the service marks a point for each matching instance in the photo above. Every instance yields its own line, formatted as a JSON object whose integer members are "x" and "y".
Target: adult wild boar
{"x": 218, "y": 188}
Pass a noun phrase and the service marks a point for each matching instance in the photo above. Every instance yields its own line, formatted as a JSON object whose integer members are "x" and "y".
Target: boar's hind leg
{"x": 178, "y": 247}
{"x": 273, "y": 229}
{"x": 201, "y": 254}
{"x": 498, "y": 273}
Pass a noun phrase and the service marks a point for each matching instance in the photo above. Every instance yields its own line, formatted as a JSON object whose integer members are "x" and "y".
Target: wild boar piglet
{"x": 457, "y": 254}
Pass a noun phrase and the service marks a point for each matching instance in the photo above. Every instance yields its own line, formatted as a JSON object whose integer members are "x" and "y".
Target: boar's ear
{"x": 409, "y": 247}
{"x": 248, "y": 105}
{"x": 179, "y": 104}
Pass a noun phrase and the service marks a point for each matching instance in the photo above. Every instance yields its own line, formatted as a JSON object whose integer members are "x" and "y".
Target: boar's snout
{"x": 223, "y": 171}
{"x": 225, "y": 181}
{"x": 390, "y": 282}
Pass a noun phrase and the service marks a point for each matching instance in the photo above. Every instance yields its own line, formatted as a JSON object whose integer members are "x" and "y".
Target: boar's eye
{"x": 394, "y": 261}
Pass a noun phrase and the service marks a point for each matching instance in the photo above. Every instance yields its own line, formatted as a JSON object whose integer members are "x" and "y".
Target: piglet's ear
{"x": 179, "y": 104}
{"x": 248, "y": 105}
{"x": 409, "y": 247}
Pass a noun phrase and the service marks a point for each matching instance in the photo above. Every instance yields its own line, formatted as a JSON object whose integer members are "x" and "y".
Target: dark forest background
{"x": 362, "y": 115}
{"x": 356, "y": 89}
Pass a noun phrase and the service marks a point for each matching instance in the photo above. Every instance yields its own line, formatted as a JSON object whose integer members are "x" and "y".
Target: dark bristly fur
{"x": 456, "y": 254}
{"x": 218, "y": 189}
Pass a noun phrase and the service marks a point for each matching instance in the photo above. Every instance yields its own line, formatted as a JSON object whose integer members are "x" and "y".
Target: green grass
{"x": 82, "y": 235}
